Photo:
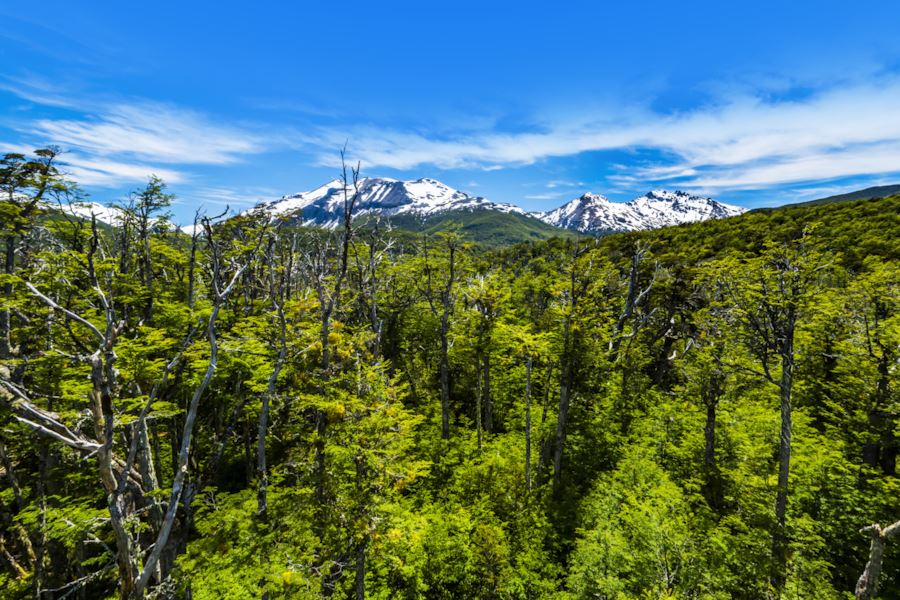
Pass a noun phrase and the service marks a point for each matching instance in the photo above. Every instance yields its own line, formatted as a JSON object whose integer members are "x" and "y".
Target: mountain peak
{"x": 324, "y": 206}
{"x": 592, "y": 213}
{"x": 589, "y": 197}
{"x": 425, "y": 197}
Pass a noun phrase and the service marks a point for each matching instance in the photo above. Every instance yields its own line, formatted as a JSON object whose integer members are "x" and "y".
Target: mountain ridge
{"x": 878, "y": 191}
{"x": 324, "y": 205}
{"x": 596, "y": 214}
{"x": 425, "y": 198}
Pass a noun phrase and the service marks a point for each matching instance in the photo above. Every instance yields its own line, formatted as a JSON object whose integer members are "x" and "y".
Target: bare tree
{"x": 634, "y": 298}
{"x": 276, "y": 294}
{"x": 446, "y": 296}
{"x": 219, "y": 292}
{"x": 867, "y": 586}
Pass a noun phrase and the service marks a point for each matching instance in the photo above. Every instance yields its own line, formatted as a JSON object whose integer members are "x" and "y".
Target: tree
{"x": 441, "y": 298}
{"x": 867, "y": 586}
{"x": 26, "y": 184}
{"x": 770, "y": 295}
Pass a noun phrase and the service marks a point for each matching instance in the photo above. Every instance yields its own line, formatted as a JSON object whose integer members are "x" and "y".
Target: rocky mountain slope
{"x": 595, "y": 214}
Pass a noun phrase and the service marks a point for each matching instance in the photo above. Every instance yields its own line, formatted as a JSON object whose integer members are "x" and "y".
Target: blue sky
{"x": 757, "y": 104}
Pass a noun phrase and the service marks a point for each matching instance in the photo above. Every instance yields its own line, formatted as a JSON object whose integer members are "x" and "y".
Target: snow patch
{"x": 592, "y": 213}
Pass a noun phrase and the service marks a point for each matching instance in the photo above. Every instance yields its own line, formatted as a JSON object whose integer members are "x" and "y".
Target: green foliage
{"x": 669, "y": 446}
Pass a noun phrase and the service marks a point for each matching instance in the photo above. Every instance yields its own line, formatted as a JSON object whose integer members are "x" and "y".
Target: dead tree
{"x": 219, "y": 292}
{"x": 634, "y": 299}
{"x": 445, "y": 293}
{"x": 867, "y": 586}
{"x": 276, "y": 294}
{"x": 102, "y": 397}
{"x": 124, "y": 485}
{"x": 369, "y": 282}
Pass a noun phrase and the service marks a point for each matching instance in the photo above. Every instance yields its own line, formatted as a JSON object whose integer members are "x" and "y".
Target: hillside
{"x": 881, "y": 191}
{"x": 547, "y": 418}
{"x": 484, "y": 227}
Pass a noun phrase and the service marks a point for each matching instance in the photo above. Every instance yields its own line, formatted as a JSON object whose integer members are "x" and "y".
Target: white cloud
{"x": 149, "y": 131}
{"x": 235, "y": 198}
{"x": 110, "y": 173}
{"x": 36, "y": 90}
{"x": 742, "y": 141}
{"x": 547, "y": 196}
{"x": 855, "y": 160}
{"x": 557, "y": 183}
{"x": 111, "y": 144}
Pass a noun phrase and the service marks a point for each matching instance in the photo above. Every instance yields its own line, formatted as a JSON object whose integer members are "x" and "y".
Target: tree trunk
{"x": 262, "y": 504}
{"x": 181, "y": 470}
{"x": 709, "y": 433}
{"x": 867, "y": 586}
{"x": 528, "y": 425}
{"x": 261, "y": 471}
{"x": 563, "y": 414}
{"x": 478, "y": 410}
{"x": 712, "y": 477}
{"x": 5, "y": 327}
{"x": 560, "y": 438}
{"x": 488, "y": 407}
{"x": 445, "y": 374}
{"x": 779, "y": 537}
{"x": 447, "y": 303}
{"x": 360, "y": 586}
{"x": 545, "y": 443}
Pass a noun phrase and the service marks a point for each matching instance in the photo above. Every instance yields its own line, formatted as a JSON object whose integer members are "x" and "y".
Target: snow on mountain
{"x": 592, "y": 213}
{"x": 324, "y": 205}
{"x": 109, "y": 215}
{"x": 662, "y": 208}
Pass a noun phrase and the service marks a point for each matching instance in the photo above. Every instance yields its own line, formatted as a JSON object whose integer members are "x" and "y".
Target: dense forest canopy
{"x": 264, "y": 411}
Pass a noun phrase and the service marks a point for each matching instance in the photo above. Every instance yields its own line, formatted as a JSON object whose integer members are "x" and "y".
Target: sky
{"x": 232, "y": 103}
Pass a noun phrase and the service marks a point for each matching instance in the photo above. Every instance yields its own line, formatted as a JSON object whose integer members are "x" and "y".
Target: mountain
{"x": 83, "y": 210}
{"x": 109, "y": 215}
{"x": 420, "y": 206}
{"x": 421, "y": 199}
{"x": 429, "y": 206}
{"x": 595, "y": 214}
{"x": 489, "y": 228}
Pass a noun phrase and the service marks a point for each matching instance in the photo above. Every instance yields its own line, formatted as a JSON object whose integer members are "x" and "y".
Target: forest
{"x": 260, "y": 410}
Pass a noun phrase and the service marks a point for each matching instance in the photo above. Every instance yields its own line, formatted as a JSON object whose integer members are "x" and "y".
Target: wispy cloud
{"x": 114, "y": 143}
{"x": 560, "y": 183}
{"x": 239, "y": 198}
{"x": 742, "y": 141}
{"x": 36, "y": 90}
{"x": 547, "y": 196}
{"x": 151, "y": 132}
{"x": 110, "y": 173}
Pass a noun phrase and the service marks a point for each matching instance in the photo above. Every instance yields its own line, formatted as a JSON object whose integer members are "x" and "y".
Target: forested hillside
{"x": 264, "y": 411}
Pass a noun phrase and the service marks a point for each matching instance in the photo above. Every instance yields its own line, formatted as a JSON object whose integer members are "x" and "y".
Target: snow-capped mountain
{"x": 110, "y": 215}
{"x": 592, "y": 213}
{"x": 424, "y": 198}
{"x": 324, "y": 206}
